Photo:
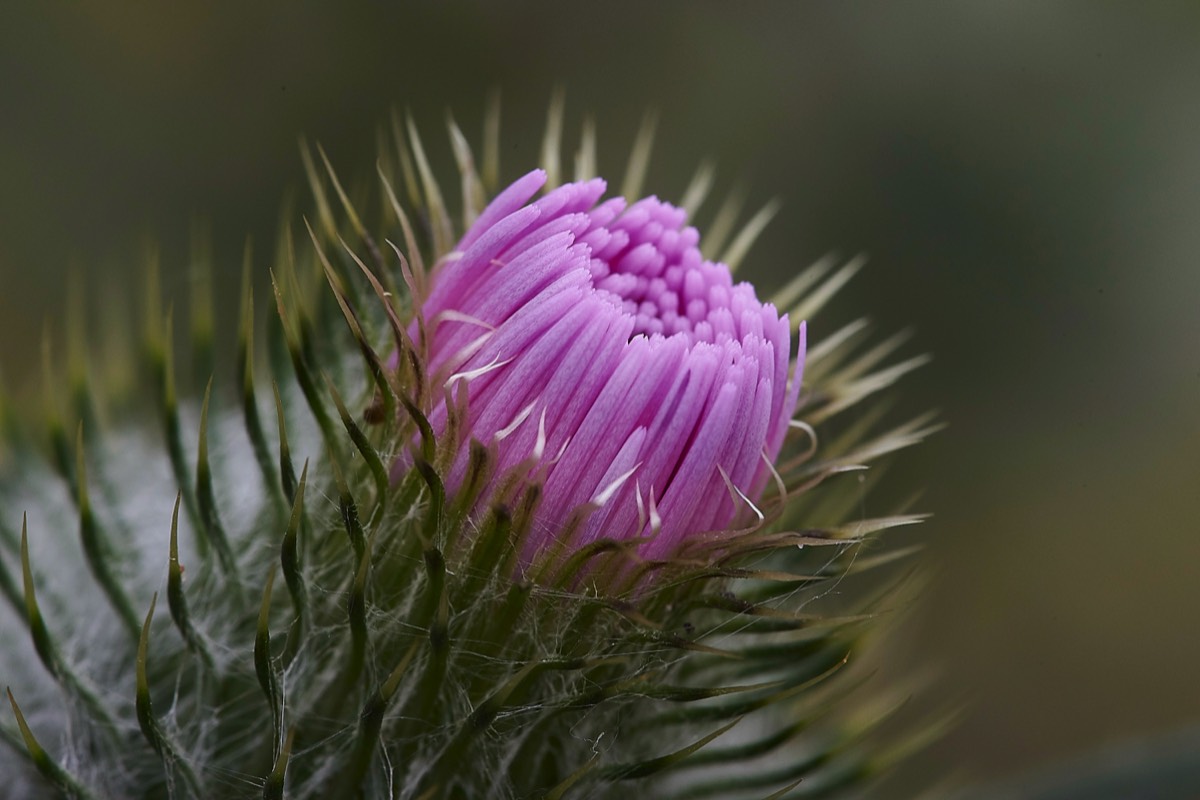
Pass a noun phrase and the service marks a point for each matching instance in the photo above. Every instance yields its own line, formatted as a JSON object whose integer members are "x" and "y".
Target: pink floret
{"x": 639, "y": 368}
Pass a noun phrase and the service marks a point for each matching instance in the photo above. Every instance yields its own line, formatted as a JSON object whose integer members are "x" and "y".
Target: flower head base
{"x": 636, "y": 379}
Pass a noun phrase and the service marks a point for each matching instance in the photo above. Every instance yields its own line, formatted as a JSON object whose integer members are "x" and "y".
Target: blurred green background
{"x": 1025, "y": 177}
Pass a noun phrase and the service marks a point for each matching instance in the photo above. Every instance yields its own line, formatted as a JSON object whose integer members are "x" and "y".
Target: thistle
{"x": 547, "y": 508}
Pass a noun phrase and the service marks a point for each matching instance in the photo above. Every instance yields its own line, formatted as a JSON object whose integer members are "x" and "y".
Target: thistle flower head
{"x": 570, "y": 591}
{"x": 602, "y": 347}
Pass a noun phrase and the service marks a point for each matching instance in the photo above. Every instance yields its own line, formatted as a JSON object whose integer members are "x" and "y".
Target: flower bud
{"x": 599, "y": 345}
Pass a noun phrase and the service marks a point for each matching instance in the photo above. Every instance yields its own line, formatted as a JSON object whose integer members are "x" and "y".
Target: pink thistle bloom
{"x": 597, "y": 339}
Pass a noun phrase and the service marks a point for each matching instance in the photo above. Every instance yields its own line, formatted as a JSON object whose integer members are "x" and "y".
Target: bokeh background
{"x": 1025, "y": 177}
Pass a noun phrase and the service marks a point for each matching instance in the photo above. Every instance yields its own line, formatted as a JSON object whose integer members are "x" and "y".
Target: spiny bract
{"x": 451, "y": 622}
